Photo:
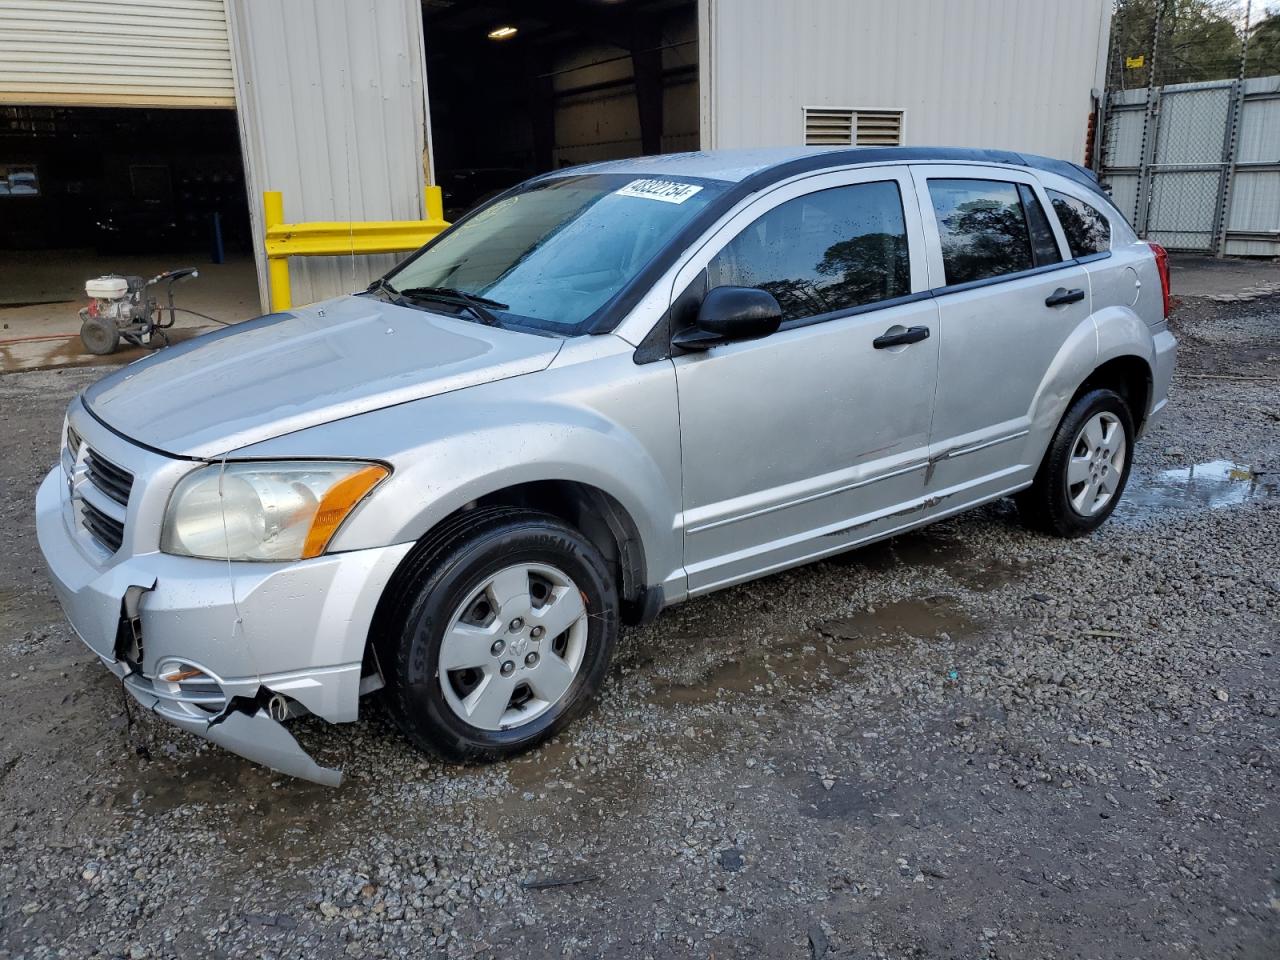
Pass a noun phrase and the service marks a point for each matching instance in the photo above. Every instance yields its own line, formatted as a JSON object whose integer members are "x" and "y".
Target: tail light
{"x": 1162, "y": 264}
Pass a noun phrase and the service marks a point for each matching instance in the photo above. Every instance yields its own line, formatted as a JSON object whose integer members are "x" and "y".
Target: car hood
{"x": 288, "y": 371}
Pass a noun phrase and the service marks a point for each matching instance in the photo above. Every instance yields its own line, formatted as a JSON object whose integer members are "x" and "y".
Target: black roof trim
{"x": 872, "y": 155}
{"x": 610, "y": 314}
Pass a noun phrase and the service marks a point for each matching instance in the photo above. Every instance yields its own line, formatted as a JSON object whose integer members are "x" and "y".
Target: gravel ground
{"x": 969, "y": 741}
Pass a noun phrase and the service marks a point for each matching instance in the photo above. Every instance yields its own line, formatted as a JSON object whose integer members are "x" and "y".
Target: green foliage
{"x": 1264, "y": 46}
{"x": 1199, "y": 40}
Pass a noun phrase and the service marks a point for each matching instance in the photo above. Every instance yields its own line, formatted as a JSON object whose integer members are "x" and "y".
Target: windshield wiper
{"x": 456, "y": 294}
{"x": 477, "y": 305}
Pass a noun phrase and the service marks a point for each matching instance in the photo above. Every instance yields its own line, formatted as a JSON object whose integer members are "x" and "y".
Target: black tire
{"x": 100, "y": 337}
{"x": 1045, "y": 505}
{"x": 437, "y": 578}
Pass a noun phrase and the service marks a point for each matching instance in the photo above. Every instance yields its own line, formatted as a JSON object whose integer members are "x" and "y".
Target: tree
{"x": 1264, "y": 45}
{"x": 1199, "y": 40}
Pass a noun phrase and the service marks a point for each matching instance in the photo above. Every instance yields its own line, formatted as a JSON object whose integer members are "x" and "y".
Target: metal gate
{"x": 1196, "y": 166}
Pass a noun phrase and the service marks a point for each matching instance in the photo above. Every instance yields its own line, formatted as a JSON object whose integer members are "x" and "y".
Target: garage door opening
{"x": 135, "y": 191}
{"x": 517, "y": 89}
{"x": 128, "y": 181}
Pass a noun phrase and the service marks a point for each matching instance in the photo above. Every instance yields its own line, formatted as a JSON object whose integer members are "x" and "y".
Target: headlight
{"x": 264, "y": 511}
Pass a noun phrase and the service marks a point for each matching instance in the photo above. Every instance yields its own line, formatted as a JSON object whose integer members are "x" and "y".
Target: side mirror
{"x": 728, "y": 314}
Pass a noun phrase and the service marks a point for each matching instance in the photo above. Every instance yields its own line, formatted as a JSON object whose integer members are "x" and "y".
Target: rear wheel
{"x": 505, "y": 625}
{"x": 1085, "y": 469}
{"x": 99, "y": 336}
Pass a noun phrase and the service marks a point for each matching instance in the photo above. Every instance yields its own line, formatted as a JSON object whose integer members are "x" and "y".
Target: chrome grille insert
{"x": 108, "y": 531}
{"x": 107, "y": 477}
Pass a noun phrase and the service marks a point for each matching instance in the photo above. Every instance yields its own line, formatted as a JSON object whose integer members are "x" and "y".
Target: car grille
{"x": 108, "y": 531}
{"x": 113, "y": 482}
{"x": 107, "y": 477}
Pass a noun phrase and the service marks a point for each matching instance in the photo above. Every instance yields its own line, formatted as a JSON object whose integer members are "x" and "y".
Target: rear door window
{"x": 982, "y": 227}
{"x": 823, "y": 252}
{"x": 1087, "y": 230}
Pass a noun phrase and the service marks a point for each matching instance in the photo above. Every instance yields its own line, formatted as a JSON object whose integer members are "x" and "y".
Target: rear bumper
{"x": 249, "y": 629}
{"x": 1166, "y": 352}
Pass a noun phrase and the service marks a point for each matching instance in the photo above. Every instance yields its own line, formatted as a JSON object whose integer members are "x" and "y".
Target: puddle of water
{"x": 546, "y": 762}
{"x": 806, "y": 658}
{"x": 750, "y": 676}
{"x": 930, "y": 548}
{"x": 68, "y": 351}
{"x": 1213, "y": 485}
{"x": 925, "y": 618}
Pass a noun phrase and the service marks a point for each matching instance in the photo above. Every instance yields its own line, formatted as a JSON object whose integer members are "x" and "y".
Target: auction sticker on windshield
{"x": 668, "y": 191}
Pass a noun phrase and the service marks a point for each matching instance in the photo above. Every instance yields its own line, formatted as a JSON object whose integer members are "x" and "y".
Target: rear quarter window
{"x": 1087, "y": 230}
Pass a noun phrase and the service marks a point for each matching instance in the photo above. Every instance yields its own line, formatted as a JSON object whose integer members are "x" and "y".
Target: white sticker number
{"x": 668, "y": 191}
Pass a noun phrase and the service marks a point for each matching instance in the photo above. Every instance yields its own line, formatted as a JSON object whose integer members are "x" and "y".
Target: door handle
{"x": 1063, "y": 295}
{"x": 910, "y": 335}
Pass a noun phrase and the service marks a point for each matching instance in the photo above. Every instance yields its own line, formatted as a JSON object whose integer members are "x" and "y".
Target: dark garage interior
{"x": 121, "y": 180}
{"x": 518, "y": 88}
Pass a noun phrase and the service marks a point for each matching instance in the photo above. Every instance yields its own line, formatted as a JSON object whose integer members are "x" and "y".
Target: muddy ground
{"x": 970, "y": 741}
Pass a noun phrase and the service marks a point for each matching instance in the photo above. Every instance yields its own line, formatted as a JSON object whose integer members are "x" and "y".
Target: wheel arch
{"x": 1130, "y": 376}
{"x": 601, "y": 518}
{"x": 595, "y": 513}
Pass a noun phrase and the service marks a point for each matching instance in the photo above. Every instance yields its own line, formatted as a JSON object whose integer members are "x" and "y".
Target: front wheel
{"x": 506, "y": 623}
{"x": 1085, "y": 470}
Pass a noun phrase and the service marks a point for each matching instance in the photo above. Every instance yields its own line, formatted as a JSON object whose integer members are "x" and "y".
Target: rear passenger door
{"x": 1009, "y": 299}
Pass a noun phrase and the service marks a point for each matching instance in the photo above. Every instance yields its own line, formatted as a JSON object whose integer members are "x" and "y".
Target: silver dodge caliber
{"x": 609, "y": 389}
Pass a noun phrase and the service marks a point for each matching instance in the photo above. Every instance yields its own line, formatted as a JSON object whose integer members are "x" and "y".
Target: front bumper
{"x": 250, "y": 630}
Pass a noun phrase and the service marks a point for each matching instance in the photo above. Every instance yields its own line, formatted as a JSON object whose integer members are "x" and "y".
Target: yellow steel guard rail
{"x": 321, "y": 239}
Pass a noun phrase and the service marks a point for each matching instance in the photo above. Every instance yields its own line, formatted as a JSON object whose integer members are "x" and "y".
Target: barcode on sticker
{"x": 668, "y": 191}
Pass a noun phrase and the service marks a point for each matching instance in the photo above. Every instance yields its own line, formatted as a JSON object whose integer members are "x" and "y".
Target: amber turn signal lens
{"x": 179, "y": 675}
{"x": 339, "y": 501}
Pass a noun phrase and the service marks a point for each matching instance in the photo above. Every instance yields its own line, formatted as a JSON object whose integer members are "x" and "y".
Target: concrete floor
{"x": 1228, "y": 280}
{"x": 42, "y": 291}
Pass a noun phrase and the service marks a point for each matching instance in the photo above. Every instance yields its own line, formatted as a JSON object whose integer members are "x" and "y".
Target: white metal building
{"x": 1009, "y": 74}
{"x": 349, "y": 106}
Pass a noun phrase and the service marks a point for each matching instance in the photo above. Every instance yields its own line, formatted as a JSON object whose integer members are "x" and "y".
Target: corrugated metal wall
{"x": 332, "y": 105}
{"x": 1012, "y": 74}
{"x": 171, "y": 53}
{"x": 1253, "y": 214}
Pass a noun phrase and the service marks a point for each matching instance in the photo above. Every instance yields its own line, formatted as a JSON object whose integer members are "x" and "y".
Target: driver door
{"x": 812, "y": 439}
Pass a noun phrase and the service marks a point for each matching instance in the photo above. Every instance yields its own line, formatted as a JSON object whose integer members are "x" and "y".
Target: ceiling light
{"x": 502, "y": 33}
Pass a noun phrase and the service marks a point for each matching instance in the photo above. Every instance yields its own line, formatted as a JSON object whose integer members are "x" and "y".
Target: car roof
{"x": 776, "y": 163}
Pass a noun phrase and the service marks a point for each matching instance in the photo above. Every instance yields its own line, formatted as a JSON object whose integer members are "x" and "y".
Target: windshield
{"x": 553, "y": 254}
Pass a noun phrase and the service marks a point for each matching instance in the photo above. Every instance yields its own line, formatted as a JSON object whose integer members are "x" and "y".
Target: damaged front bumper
{"x": 241, "y": 725}
{"x": 224, "y": 651}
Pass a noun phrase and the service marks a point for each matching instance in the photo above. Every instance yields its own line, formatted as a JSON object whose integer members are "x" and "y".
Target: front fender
{"x": 609, "y": 424}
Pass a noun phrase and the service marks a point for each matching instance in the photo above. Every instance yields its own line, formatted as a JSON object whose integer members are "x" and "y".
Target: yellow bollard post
{"x": 277, "y": 267}
{"x": 435, "y": 203}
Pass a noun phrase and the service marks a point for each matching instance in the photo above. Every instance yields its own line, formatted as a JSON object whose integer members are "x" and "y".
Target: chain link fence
{"x": 1190, "y": 143}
